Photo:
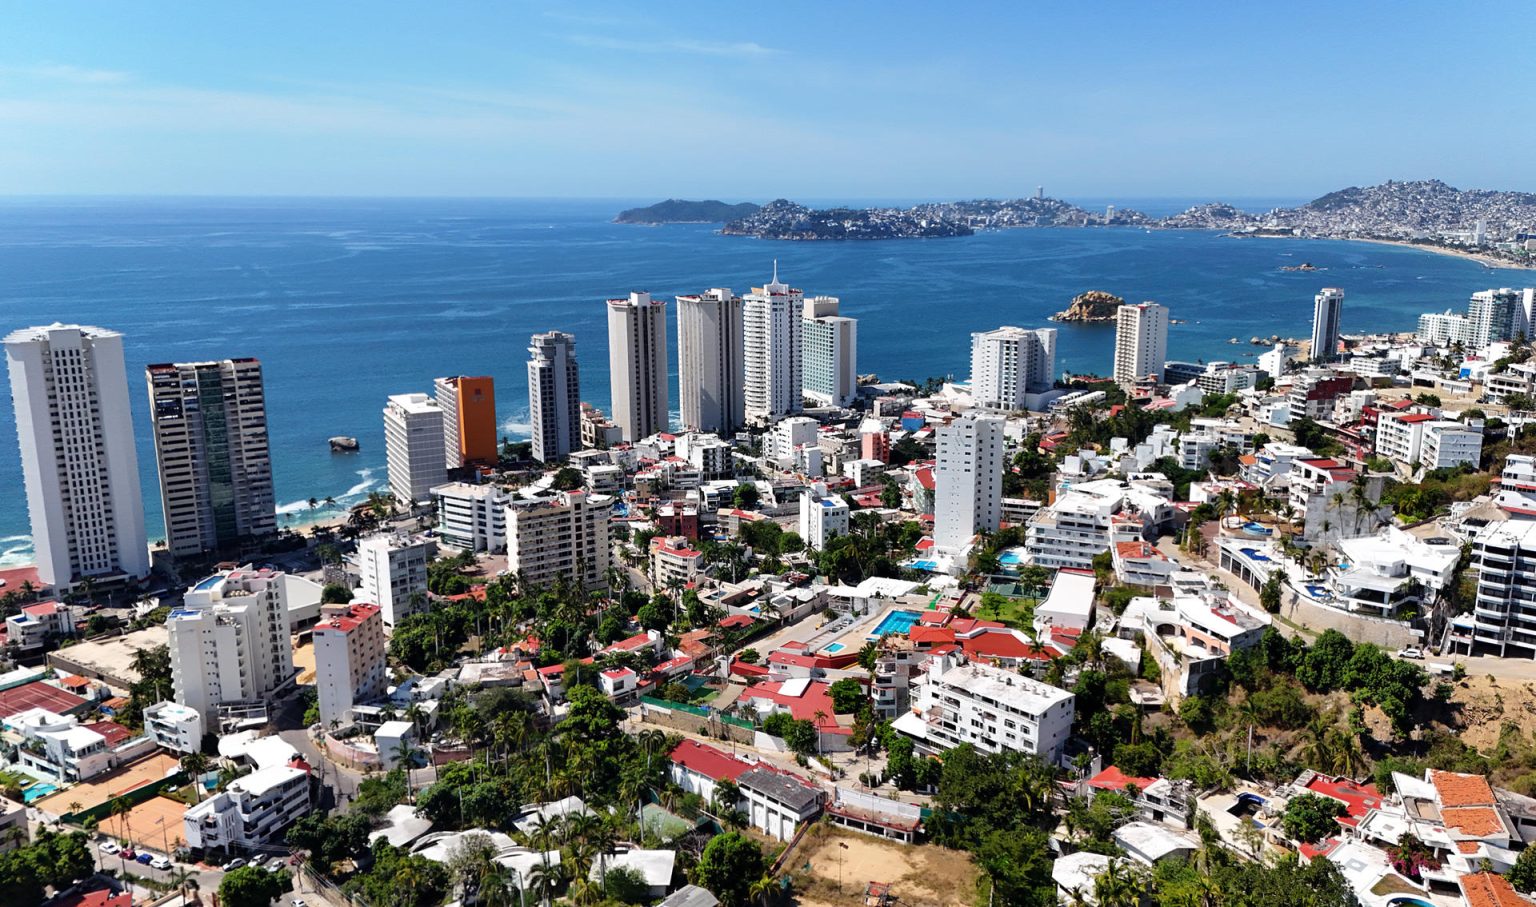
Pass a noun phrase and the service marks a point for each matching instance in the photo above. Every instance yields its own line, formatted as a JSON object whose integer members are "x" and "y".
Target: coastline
{"x": 1481, "y": 258}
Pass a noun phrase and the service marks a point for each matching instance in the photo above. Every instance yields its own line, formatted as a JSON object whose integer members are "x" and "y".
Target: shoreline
{"x": 1481, "y": 258}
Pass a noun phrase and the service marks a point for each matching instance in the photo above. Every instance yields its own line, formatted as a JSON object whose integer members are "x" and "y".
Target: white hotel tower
{"x": 70, "y": 387}
{"x": 772, "y": 321}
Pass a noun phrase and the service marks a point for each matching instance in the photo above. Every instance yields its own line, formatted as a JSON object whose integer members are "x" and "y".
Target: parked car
{"x": 108, "y": 847}
{"x": 1411, "y": 652}
{"x": 234, "y": 864}
{"x": 277, "y": 864}
{"x": 160, "y": 863}
{"x": 297, "y": 902}
{"x": 128, "y": 854}
{"x": 144, "y": 857}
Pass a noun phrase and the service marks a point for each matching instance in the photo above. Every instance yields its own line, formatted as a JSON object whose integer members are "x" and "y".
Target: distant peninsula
{"x": 1493, "y": 226}
{"x": 681, "y": 211}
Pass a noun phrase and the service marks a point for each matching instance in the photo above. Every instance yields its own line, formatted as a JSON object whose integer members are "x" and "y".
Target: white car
{"x": 277, "y": 864}
{"x": 108, "y": 847}
{"x": 160, "y": 862}
{"x": 234, "y": 864}
{"x": 297, "y": 902}
{"x": 1411, "y": 652}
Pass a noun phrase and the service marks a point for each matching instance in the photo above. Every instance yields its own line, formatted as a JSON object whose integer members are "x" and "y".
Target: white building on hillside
{"x": 786, "y": 437}
{"x": 413, "y": 447}
{"x": 79, "y": 464}
{"x": 822, "y": 517}
{"x": 349, "y": 660}
{"x": 251, "y": 812}
{"x": 392, "y": 571}
{"x": 472, "y": 517}
{"x": 968, "y": 481}
{"x": 992, "y": 709}
{"x": 1141, "y": 342}
{"x": 174, "y": 726}
{"x": 229, "y": 643}
{"x": 710, "y": 367}
{"x": 1009, "y": 365}
{"x": 637, "y": 365}
{"x": 561, "y": 536}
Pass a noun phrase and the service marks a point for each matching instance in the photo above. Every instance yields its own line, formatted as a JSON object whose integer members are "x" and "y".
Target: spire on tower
{"x": 775, "y": 270}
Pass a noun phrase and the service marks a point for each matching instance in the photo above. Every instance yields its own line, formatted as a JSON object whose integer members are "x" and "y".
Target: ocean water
{"x": 348, "y": 301}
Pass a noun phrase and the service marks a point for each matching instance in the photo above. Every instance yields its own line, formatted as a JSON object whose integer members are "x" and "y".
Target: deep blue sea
{"x": 348, "y": 301}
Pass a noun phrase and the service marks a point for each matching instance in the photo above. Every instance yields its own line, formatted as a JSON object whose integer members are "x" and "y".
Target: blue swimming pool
{"x": 1255, "y": 554}
{"x": 925, "y": 566}
{"x": 897, "y": 622}
{"x": 208, "y": 583}
{"x": 1319, "y": 592}
{"x": 1010, "y": 558}
{"x": 38, "y": 791}
{"x": 1258, "y": 529}
{"x": 834, "y": 648}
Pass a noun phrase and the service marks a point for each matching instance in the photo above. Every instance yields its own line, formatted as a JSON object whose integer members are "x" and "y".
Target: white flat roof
{"x": 1029, "y": 696}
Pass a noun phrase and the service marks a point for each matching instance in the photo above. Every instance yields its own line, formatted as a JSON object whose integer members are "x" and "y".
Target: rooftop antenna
{"x": 775, "y": 270}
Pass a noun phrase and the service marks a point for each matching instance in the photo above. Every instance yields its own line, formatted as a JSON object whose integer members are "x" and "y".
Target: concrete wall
{"x": 694, "y": 724}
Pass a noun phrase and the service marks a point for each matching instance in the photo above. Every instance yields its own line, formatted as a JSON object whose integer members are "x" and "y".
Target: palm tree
{"x": 1118, "y": 886}
{"x": 545, "y": 878}
{"x": 405, "y": 755}
{"x": 761, "y": 889}
{"x": 195, "y": 764}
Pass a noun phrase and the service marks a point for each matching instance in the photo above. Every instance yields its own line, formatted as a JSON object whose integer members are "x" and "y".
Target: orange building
{"x": 469, "y": 412}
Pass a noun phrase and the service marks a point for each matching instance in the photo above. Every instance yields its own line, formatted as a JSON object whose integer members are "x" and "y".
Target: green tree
{"x": 1019, "y": 866}
{"x": 251, "y": 886}
{"x": 847, "y": 696}
{"x": 1523, "y": 874}
{"x": 1309, "y": 817}
{"x": 728, "y": 866}
{"x": 746, "y": 496}
{"x": 335, "y": 594}
{"x": 622, "y": 883}
{"x": 1270, "y": 592}
{"x": 567, "y": 479}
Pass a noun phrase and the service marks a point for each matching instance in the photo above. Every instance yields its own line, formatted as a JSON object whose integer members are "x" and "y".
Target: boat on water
{"x": 344, "y": 444}
{"x": 1234, "y": 340}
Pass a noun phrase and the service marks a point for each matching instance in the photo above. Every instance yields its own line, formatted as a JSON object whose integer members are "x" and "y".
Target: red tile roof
{"x": 1457, "y": 789}
{"x": 708, "y": 761}
{"x": 99, "y": 898}
{"x": 736, "y": 620}
{"x": 114, "y": 732}
{"x": 1358, "y": 799}
{"x": 1486, "y": 889}
{"x": 1112, "y": 779}
{"x": 816, "y": 698}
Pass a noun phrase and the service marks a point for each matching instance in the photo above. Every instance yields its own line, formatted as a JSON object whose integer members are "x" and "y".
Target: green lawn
{"x": 1018, "y": 613}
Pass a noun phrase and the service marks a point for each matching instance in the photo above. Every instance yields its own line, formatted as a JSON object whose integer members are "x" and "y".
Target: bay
{"x": 346, "y": 301}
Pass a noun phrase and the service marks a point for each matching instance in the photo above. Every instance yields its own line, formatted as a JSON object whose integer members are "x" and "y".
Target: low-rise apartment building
{"x": 174, "y": 726}
{"x": 990, "y": 708}
{"x": 36, "y": 627}
{"x": 251, "y": 812}
{"x": 1191, "y": 636}
{"x": 471, "y": 517}
{"x": 349, "y": 660}
{"x": 674, "y": 562}
{"x": 393, "y": 574}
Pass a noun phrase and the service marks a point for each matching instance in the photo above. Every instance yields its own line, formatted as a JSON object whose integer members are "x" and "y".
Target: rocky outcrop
{"x": 1092, "y": 307}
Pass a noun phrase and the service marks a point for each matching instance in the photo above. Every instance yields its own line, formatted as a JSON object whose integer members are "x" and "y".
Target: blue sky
{"x": 809, "y": 100}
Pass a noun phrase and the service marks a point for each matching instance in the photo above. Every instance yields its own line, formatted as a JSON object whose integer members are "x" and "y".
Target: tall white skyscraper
{"x": 1009, "y": 363}
{"x": 1326, "y": 308}
{"x": 830, "y": 361}
{"x": 210, "y": 426}
{"x": 413, "y": 447}
{"x": 771, "y": 319}
{"x": 70, "y": 388}
{"x": 709, "y": 367}
{"x": 554, "y": 396}
{"x": 1141, "y": 342}
{"x": 968, "y": 481}
{"x": 637, "y": 365}
{"x": 1494, "y": 315}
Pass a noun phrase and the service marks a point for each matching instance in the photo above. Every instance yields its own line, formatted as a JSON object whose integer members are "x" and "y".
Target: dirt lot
{"x": 923, "y": 875}
{"x": 1483, "y": 707}
{"x": 105, "y": 787}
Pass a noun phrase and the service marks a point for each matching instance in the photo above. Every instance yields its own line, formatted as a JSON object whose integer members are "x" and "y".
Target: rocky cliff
{"x": 1092, "y": 307}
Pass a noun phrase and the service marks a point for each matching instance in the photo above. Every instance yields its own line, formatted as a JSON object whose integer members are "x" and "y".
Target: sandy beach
{"x": 1482, "y": 258}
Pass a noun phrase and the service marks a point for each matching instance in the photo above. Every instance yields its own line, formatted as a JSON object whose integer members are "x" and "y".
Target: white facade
{"x": 788, "y": 436}
{"x": 349, "y": 660}
{"x": 772, "y": 340}
{"x": 1503, "y": 618}
{"x": 1494, "y": 315}
{"x": 413, "y": 447}
{"x": 1327, "y": 306}
{"x": 471, "y": 517}
{"x": 637, "y": 365}
{"x": 992, "y": 709}
{"x": 1141, "y": 342}
{"x": 81, "y": 470}
{"x": 968, "y": 481}
{"x": 229, "y": 642}
{"x": 253, "y": 811}
{"x": 174, "y": 726}
{"x": 563, "y": 536}
{"x": 1009, "y": 364}
{"x": 1444, "y": 328}
{"x": 822, "y": 517}
{"x": 554, "y": 396}
{"x": 1091, "y": 518}
{"x": 708, "y": 454}
{"x": 830, "y": 343}
{"x": 210, "y": 427}
{"x": 1273, "y": 363}
{"x": 37, "y": 626}
{"x": 393, "y": 571}
{"x": 710, "y": 367}
{"x": 1447, "y": 444}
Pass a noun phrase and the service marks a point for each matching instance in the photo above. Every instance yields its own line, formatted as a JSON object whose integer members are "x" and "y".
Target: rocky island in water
{"x": 1092, "y": 307}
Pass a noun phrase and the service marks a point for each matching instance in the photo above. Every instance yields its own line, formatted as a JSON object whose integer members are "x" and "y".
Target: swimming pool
{"x": 38, "y": 791}
{"x": 897, "y": 622}
{"x": 1258, "y": 529}
{"x": 1011, "y": 558}
{"x": 926, "y": 566}
{"x": 208, "y": 583}
{"x": 1254, "y": 554}
{"x": 834, "y": 648}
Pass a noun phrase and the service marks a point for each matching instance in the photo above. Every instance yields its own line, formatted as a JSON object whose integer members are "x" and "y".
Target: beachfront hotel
{"x": 830, "y": 353}
{"x": 1141, "y": 342}
{"x": 469, "y": 420}
{"x": 554, "y": 396}
{"x": 773, "y": 331}
{"x": 710, "y": 367}
{"x": 637, "y": 365}
{"x": 413, "y": 447}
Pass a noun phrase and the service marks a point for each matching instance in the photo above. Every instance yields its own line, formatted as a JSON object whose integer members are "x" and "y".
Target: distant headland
{"x": 1498, "y": 228}
{"x": 681, "y": 211}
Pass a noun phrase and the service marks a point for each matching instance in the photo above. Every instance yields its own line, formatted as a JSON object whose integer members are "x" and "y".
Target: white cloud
{"x": 63, "y": 72}
{"x": 678, "y": 46}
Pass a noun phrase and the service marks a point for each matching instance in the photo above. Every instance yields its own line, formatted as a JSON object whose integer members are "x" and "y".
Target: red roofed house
{"x": 805, "y": 700}
{"x": 36, "y": 625}
{"x": 618, "y": 683}
{"x": 1140, "y": 564}
{"x": 697, "y": 767}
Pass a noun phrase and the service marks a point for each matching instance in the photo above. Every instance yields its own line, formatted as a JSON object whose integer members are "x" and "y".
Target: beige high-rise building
{"x": 637, "y": 365}
{"x": 829, "y": 342}
{"x": 1141, "y": 342}
{"x": 561, "y": 536}
{"x": 554, "y": 396}
{"x": 210, "y": 427}
{"x": 710, "y": 368}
